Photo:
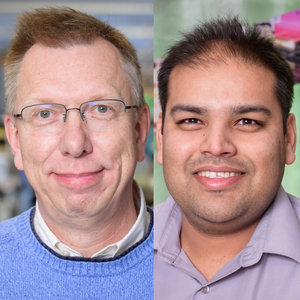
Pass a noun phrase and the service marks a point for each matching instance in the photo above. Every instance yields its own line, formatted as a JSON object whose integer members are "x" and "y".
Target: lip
{"x": 218, "y": 183}
{"x": 82, "y": 180}
{"x": 212, "y": 168}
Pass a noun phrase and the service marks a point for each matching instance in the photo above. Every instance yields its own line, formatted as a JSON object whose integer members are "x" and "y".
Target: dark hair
{"x": 212, "y": 42}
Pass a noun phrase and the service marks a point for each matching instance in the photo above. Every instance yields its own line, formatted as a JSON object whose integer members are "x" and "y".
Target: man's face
{"x": 78, "y": 171}
{"x": 223, "y": 149}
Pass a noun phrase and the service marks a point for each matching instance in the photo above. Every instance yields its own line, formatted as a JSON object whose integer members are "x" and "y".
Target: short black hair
{"x": 214, "y": 41}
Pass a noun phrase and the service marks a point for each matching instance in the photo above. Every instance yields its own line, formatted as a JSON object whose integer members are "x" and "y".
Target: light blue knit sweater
{"x": 30, "y": 270}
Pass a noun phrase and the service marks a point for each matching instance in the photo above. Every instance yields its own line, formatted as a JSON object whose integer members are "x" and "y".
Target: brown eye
{"x": 246, "y": 122}
{"x": 195, "y": 121}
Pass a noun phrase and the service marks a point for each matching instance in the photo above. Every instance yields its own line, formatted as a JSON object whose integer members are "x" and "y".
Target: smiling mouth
{"x": 71, "y": 175}
{"x": 78, "y": 180}
{"x": 209, "y": 174}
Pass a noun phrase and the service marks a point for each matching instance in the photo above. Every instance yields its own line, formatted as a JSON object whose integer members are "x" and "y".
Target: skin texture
{"x": 82, "y": 178}
{"x": 208, "y": 127}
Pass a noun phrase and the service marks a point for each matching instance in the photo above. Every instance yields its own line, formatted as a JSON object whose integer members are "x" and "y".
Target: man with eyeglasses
{"x": 77, "y": 123}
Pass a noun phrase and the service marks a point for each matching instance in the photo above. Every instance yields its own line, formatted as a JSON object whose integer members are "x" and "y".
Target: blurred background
{"x": 134, "y": 18}
{"x": 173, "y": 16}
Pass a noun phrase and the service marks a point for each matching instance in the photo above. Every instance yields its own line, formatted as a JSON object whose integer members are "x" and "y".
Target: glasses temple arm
{"x": 133, "y": 106}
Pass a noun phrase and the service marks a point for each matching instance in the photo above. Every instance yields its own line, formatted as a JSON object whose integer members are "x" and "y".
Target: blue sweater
{"x": 31, "y": 270}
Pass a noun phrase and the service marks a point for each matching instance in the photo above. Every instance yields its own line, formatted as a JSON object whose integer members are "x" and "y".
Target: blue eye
{"x": 44, "y": 114}
{"x": 102, "y": 109}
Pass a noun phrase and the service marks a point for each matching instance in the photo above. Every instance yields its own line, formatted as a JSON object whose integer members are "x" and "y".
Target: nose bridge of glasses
{"x": 74, "y": 108}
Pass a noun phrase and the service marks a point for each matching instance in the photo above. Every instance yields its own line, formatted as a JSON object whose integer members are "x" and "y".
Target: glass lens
{"x": 103, "y": 114}
{"x": 43, "y": 117}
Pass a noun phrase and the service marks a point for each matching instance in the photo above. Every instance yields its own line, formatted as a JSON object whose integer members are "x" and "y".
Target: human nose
{"x": 76, "y": 138}
{"x": 218, "y": 141}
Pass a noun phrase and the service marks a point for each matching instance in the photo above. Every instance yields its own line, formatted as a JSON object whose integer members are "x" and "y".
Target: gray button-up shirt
{"x": 267, "y": 269}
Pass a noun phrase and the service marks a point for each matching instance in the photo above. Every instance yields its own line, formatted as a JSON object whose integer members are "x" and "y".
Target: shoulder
{"x": 158, "y": 207}
{"x": 163, "y": 210}
{"x": 9, "y": 229}
{"x": 296, "y": 204}
{"x": 167, "y": 217}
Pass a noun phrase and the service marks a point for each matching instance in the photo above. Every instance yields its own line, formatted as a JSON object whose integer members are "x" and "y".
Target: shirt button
{"x": 205, "y": 289}
{"x": 65, "y": 252}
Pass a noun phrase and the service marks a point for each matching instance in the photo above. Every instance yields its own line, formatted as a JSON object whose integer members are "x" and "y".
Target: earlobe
{"x": 290, "y": 139}
{"x": 159, "y": 140}
{"x": 142, "y": 129}
{"x": 12, "y": 136}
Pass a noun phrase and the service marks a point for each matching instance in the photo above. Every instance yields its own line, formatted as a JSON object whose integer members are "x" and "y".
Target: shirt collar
{"x": 276, "y": 233}
{"x": 136, "y": 233}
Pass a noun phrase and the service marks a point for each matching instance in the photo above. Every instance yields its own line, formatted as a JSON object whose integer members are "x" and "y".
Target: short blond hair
{"x": 63, "y": 28}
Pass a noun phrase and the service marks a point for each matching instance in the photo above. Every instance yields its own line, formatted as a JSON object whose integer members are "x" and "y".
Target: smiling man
{"x": 228, "y": 230}
{"x": 77, "y": 123}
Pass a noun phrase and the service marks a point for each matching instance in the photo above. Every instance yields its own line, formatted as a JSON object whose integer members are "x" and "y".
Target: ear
{"x": 12, "y": 136}
{"x": 142, "y": 129}
{"x": 159, "y": 140}
{"x": 290, "y": 139}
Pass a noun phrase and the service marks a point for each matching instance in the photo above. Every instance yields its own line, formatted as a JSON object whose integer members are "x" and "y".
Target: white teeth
{"x": 218, "y": 174}
{"x": 213, "y": 174}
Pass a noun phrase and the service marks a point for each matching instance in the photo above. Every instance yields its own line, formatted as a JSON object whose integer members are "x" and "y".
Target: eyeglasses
{"x": 97, "y": 115}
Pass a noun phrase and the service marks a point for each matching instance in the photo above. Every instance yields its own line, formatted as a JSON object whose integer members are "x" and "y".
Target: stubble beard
{"x": 220, "y": 212}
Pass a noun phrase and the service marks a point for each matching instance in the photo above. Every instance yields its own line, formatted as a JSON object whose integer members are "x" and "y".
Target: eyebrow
{"x": 235, "y": 110}
{"x": 188, "y": 108}
{"x": 238, "y": 110}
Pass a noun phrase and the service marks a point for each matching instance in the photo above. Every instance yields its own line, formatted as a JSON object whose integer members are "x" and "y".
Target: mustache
{"x": 221, "y": 161}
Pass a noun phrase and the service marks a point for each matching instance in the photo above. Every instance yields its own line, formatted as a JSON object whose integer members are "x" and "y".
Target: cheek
{"x": 178, "y": 148}
{"x": 266, "y": 151}
{"x": 119, "y": 147}
{"x": 36, "y": 149}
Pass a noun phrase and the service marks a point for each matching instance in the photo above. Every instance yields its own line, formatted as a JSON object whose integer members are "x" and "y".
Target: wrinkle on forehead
{"x": 41, "y": 64}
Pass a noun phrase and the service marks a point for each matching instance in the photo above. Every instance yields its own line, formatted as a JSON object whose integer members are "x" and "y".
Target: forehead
{"x": 221, "y": 87}
{"x": 81, "y": 71}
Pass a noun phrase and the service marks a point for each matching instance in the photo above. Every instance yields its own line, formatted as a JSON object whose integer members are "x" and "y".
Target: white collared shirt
{"x": 136, "y": 233}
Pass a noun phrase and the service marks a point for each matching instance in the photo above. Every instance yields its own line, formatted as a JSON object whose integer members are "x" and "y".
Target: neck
{"x": 209, "y": 253}
{"x": 88, "y": 235}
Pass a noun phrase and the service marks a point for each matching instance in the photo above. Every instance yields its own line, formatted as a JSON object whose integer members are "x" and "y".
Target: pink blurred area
{"x": 289, "y": 26}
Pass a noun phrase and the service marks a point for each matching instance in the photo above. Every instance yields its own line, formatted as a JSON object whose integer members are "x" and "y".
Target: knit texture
{"x": 31, "y": 270}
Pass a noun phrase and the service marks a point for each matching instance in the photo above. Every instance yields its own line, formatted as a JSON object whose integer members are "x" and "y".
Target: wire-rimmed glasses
{"x": 97, "y": 115}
